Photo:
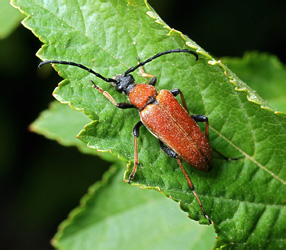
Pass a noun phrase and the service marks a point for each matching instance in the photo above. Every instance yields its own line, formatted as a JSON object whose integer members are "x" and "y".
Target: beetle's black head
{"x": 124, "y": 83}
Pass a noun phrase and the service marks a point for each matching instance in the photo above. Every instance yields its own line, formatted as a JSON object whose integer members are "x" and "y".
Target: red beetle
{"x": 178, "y": 133}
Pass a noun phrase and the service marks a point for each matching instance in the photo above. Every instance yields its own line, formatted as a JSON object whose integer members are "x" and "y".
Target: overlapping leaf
{"x": 264, "y": 73}
{"x": 9, "y": 19}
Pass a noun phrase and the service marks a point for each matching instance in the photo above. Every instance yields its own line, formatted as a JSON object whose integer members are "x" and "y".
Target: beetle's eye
{"x": 119, "y": 87}
{"x": 130, "y": 79}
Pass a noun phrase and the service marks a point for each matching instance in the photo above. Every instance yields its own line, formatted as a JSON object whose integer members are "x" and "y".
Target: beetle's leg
{"x": 168, "y": 151}
{"x": 121, "y": 105}
{"x": 202, "y": 118}
{"x": 153, "y": 81}
{"x": 144, "y": 74}
{"x": 175, "y": 92}
{"x": 225, "y": 157}
{"x": 173, "y": 154}
{"x": 191, "y": 186}
{"x": 136, "y": 159}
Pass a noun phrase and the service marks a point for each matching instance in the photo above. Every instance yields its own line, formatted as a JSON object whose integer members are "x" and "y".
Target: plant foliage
{"x": 246, "y": 198}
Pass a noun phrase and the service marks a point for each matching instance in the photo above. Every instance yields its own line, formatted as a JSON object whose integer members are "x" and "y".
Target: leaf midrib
{"x": 250, "y": 158}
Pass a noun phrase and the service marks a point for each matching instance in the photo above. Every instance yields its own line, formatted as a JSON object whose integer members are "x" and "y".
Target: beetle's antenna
{"x": 158, "y": 55}
{"x": 79, "y": 66}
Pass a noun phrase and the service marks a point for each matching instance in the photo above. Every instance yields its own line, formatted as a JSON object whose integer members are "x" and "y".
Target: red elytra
{"x": 167, "y": 120}
{"x": 178, "y": 133}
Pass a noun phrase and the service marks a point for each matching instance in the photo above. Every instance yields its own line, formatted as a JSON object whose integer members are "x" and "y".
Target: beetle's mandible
{"x": 178, "y": 134}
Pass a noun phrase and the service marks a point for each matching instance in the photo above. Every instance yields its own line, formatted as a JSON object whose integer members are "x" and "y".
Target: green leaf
{"x": 110, "y": 217}
{"x": 62, "y": 124}
{"x": 264, "y": 73}
{"x": 245, "y": 199}
{"x": 9, "y": 19}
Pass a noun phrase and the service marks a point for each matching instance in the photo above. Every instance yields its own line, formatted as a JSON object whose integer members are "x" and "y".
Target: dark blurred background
{"x": 37, "y": 189}
{"x": 229, "y": 28}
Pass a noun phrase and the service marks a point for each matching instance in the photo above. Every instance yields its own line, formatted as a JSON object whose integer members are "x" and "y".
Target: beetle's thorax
{"x": 141, "y": 95}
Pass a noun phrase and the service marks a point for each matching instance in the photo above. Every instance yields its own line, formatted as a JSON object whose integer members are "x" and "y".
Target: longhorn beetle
{"x": 178, "y": 133}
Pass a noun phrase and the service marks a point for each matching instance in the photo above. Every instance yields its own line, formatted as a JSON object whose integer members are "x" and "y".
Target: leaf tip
{"x": 53, "y": 242}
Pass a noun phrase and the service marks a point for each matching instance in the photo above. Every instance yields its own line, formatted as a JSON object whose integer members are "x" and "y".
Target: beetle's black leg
{"x": 124, "y": 105}
{"x": 175, "y": 92}
{"x": 173, "y": 154}
{"x": 225, "y": 157}
{"x": 136, "y": 159}
{"x": 121, "y": 105}
{"x": 168, "y": 151}
{"x": 153, "y": 81}
{"x": 202, "y": 118}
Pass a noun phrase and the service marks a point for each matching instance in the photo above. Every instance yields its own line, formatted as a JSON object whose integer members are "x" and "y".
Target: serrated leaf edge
{"x": 240, "y": 86}
{"x": 233, "y": 79}
{"x": 82, "y": 205}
